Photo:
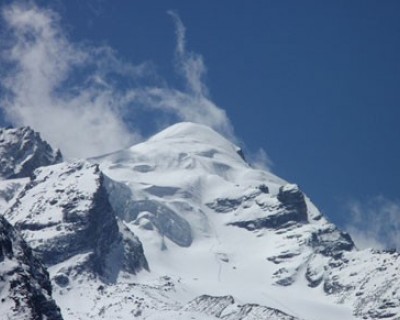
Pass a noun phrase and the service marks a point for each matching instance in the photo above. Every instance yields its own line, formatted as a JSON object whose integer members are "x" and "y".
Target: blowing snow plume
{"x": 375, "y": 223}
{"x": 82, "y": 98}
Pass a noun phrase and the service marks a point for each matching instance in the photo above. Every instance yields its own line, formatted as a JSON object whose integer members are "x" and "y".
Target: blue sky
{"x": 314, "y": 84}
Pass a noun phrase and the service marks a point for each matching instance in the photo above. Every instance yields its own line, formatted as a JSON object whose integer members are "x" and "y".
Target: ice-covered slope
{"x": 22, "y": 150}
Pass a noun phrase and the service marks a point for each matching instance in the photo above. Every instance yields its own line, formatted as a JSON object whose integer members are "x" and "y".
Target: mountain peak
{"x": 192, "y": 133}
{"x": 185, "y": 128}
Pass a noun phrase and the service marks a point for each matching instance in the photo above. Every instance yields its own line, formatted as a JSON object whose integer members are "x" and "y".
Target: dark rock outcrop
{"x": 292, "y": 200}
{"x": 65, "y": 211}
{"x": 210, "y": 305}
{"x": 291, "y": 211}
{"x": 22, "y": 150}
{"x": 280, "y": 220}
{"x": 25, "y": 288}
{"x": 218, "y": 307}
{"x": 255, "y": 311}
{"x": 224, "y": 205}
{"x": 331, "y": 242}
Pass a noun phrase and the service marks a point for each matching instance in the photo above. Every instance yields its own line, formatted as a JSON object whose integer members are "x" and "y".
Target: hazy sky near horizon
{"x": 311, "y": 86}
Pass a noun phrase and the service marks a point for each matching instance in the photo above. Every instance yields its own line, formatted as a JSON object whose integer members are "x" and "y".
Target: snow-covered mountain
{"x": 181, "y": 226}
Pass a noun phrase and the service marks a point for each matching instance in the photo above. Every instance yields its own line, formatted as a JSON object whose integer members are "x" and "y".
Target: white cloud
{"x": 81, "y": 118}
{"x": 193, "y": 103}
{"x": 190, "y": 64}
{"x": 261, "y": 160}
{"x": 374, "y": 223}
{"x": 85, "y": 99}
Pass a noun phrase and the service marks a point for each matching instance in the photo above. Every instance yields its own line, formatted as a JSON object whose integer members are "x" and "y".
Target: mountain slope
{"x": 180, "y": 226}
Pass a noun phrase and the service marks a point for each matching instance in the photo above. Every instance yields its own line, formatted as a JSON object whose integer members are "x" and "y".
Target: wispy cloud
{"x": 374, "y": 223}
{"x": 60, "y": 88}
{"x": 189, "y": 64}
{"x": 193, "y": 102}
{"x": 261, "y": 160}
{"x": 82, "y": 98}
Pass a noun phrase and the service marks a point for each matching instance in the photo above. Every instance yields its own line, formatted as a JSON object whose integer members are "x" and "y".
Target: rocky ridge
{"x": 64, "y": 212}
{"x": 22, "y": 150}
{"x": 25, "y": 287}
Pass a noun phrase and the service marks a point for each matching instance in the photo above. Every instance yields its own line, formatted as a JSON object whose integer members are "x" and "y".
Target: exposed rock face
{"x": 255, "y": 312}
{"x": 25, "y": 288}
{"x": 292, "y": 199}
{"x": 65, "y": 212}
{"x": 213, "y": 306}
{"x": 22, "y": 150}
{"x": 225, "y": 308}
{"x": 331, "y": 242}
{"x": 290, "y": 210}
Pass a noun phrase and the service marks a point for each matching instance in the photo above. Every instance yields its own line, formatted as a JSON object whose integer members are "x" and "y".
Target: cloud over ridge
{"x": 72, "y": 93}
